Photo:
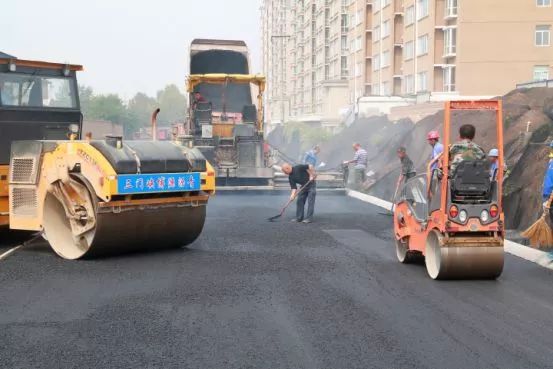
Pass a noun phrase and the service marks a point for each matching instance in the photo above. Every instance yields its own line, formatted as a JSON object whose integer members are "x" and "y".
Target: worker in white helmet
{"x": 493, "y": 156}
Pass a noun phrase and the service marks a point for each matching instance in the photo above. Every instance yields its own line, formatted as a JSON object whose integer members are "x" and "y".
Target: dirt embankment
{"x": 525, "y": 147}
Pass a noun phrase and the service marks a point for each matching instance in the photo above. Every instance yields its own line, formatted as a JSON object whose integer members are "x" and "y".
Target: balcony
{"x": 398, "y": 8}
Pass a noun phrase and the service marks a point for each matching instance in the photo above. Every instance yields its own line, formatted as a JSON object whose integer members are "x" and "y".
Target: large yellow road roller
{"x": 108, "y": 196}
{"x": 90, "y": 197}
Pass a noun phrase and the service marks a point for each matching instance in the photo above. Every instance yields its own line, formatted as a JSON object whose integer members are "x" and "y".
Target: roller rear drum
{"x": 463, "y": 260}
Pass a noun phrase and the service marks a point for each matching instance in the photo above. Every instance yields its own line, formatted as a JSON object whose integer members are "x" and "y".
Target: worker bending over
{"x": 465, "y": 149}
{"x": 360, "y": 159}
{"x": 302, "y": 175}
{"x": 407, "y": 167}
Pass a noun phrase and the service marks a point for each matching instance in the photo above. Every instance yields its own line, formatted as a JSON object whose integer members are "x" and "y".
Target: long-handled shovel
{"x": 273, "y": 218}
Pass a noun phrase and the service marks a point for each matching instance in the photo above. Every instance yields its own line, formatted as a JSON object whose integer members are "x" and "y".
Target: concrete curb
{"x": 541, "y": 258}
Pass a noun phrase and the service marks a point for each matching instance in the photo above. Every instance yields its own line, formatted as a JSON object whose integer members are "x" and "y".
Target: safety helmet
{"x": 494, "y": 153}
{"x": 433, "y": 135}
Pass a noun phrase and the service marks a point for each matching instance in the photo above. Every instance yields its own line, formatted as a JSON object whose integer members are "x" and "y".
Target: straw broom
{"x": 540, "y": 233}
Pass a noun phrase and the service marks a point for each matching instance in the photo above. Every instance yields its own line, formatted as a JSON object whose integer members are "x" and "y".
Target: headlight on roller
{"x": 74, "y": 128}
{"x": 463, "y": 216}
{"x": 484, "y": 216}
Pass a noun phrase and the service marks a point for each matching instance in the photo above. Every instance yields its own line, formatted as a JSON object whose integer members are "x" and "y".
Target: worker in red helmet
{"x": 433, "y": 138}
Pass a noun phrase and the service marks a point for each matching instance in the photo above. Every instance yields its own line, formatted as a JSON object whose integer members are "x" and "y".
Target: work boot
{"x": 295, "y": 220}
{"x": 307, "y": 221}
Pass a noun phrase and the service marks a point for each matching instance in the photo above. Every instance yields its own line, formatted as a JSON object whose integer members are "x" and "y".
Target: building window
{"x": 385, "y": 89}
{"x": 376, "y": 89}
{"x": 385, "y": 3}
{"x": 450, "y": 41}
{"x": 344, "y": 23}
{"x": 358, "y": 44}
{"x": 422, "y": 9}
{"x": 410, "y": 16}
{"x": 422, "y": 81}
{"x": 449, "y": 79}
{"x": 376, "y": 6}
{"x": 409, "y": 50}
{"x": 409, "y": 84}
{"x": 376, "y": 33}
{"x": 344, "y": 43}
{"x": 376, "y": 62}
{"x": 543, "y": 3}
{"x": 451, "y": 8}
{"x": 358, "y": 69}
{"x": 385, "y": 29}
{"x": 543, "y": 35}
{"x": 385, "y": 59}
{"x": 359, "y": 16}
{"x": 344, "y": 67}
{"x": 541, "y": 72}
{"x": 422, "y": 45}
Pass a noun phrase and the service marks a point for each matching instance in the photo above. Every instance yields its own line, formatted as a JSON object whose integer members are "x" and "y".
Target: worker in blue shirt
{"x": 433, "y": 138}
{"x": 548, "y": 179}
{"x": 311, "y": 157}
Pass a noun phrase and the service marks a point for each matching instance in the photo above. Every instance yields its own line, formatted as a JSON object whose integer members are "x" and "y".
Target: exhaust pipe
{"x": 154, "y": 124}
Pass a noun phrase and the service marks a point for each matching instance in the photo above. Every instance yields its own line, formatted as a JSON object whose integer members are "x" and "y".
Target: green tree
{"x": 139, "y": 109}
{"x": 85, "y": 96}
{"x": 172, "y": 104}
{"x": 108, "y": 107}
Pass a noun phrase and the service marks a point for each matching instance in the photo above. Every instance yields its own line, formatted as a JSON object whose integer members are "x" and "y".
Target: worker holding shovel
{"x": 304, "y": 176}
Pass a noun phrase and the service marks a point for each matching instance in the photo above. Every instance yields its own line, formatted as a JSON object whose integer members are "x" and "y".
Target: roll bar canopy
{"x": 220, "y": 78}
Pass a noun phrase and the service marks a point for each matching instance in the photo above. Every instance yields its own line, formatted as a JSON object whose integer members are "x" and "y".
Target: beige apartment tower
{"x": 305, "y": 59}
{"x": 459, "y": 47}
{"x": 323, "y": 57}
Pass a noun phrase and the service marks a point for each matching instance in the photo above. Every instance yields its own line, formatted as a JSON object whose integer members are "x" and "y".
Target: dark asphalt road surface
{"x": 254, "y": 294}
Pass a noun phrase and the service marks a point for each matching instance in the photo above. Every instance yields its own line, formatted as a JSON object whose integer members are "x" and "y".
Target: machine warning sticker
{"x": 149, "y": 183}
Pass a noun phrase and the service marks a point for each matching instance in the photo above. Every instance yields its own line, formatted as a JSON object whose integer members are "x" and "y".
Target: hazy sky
{"x": 126, "y": 46}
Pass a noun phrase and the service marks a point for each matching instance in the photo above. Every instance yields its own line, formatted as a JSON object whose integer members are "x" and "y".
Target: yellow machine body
{"x": 4, "y": 199}
{"x": 72, "y": 192}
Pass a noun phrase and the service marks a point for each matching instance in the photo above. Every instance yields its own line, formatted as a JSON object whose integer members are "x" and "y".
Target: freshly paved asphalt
{"x": 254, "y": 294}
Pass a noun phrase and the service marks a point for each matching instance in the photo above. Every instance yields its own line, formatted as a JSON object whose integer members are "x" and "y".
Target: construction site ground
{"x": 254, "y": 294}
{"x": 528, "y": 129}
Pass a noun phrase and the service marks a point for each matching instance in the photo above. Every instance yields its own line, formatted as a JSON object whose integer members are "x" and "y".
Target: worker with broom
{"x": 304, "y": 176}
{"x": 540, "y": 233}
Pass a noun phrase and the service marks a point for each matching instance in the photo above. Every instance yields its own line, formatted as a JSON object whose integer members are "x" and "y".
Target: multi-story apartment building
{"x": 307, "y": 47}
{"x": 322, "y": 56}
{"x": 360, "y": 48}
{"x": 275, "y": 15}
{"x": 459, "y": 47}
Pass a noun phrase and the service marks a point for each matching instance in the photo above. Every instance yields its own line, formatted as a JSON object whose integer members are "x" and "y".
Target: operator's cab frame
{"x": 38, "y": 101}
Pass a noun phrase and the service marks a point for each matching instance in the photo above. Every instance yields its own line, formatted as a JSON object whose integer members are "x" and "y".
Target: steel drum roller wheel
{"x": 433, "y": 255}
{"x": 58, "y": 233}
{"x": 130, "y": 229}
{"x": 482, "y": 259}
{"x": 404, "y": 255}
